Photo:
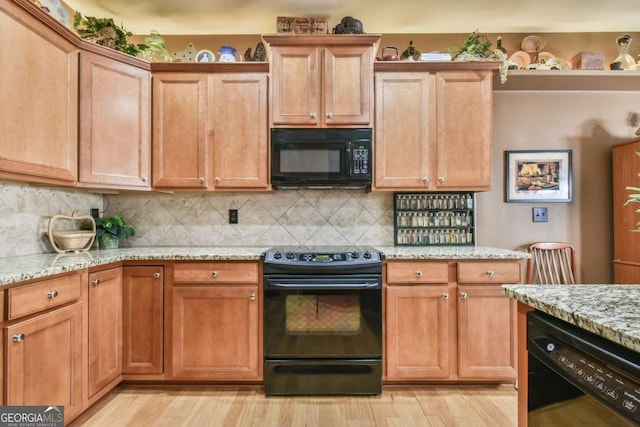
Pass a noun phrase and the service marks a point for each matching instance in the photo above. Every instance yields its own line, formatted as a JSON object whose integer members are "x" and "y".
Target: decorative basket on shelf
{"x": 64, "y": 241}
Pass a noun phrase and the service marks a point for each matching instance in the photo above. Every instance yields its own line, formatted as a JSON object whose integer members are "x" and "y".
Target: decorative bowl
{"x": 73, "y": 240}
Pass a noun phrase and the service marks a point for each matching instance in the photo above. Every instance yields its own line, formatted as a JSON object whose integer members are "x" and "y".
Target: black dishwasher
{"x": 577, "y": 378}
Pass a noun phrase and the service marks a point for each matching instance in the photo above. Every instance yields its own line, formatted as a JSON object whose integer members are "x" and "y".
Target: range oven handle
{"x": 374, "y": 284}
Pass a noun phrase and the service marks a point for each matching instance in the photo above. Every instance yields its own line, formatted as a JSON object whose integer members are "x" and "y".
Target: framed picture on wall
{"x": 538, "y": 176}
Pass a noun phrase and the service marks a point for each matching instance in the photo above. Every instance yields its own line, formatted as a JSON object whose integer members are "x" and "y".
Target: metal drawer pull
{"x": 201, "y": 180}
{"x": 418, "y": 273}
{"x": 52, "y": 294}
{"x": 329, "y": 115}
{"x": 445, "y": 296}
{"x": 252, "y": 297}
{"x": 156, "y": 275}
{"x": 441, "y": 179}
{"x": 312, "y": 115}
{"x": 18, "y": 337}
{"x": 425, "y": 180}
{"x": 217, "y": 180}
{"x": 214, "y": 274}
{"x": 491, "y": 273}
{"x": 95, "y": 282}
{"x": 464, "y": 295}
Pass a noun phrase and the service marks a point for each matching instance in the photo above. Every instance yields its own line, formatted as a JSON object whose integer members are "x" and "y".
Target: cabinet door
{"x": 215, "y": 333}
{"x": 295, "y": 86}
{"x": 486, "y": 333}
{"x": 238, "y": 116}
{"x": 115, "y": 123}
{"x": 464, "y": 129}
{"x": 44, "y": 361}
{"x": 626, "y": 244}
{"x": 347, "y": 85}
{"x": 142, "y": 317}
{"x": 105, "y": 328}
{"x": 417, "y": 332}
{"x": 404, "y": 129}
{"x": 38, "y": 100}
{"x": 179, "y": 130}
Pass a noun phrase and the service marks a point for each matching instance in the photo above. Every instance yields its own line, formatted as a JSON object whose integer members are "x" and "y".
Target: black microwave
{"x": 321, "y": 158}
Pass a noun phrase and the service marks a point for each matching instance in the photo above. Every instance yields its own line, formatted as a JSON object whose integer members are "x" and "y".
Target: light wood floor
{"x": 199, "y": 406}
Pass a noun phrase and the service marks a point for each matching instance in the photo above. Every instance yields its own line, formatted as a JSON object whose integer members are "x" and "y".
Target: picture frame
{"x": 205, "y": 56}
{"x": 538, "y": 176}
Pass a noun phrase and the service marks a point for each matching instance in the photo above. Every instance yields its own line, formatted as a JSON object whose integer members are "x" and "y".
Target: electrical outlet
{"x": 95, "y": 212}
{"x": 540, "y": 215}
{"x": 233, "y": 216}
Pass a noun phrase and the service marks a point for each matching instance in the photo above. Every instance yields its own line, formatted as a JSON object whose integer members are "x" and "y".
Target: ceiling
{"x": 399, "y": 16}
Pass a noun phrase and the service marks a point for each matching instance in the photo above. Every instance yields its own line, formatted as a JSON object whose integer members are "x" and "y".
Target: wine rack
{"x": 434, "y": 219}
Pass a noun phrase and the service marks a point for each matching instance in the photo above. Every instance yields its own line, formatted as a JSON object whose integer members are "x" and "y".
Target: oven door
{"x": 312, "y": 317}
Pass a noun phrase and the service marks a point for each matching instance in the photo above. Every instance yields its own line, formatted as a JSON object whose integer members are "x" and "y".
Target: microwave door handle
{"x": 349, "y": 155}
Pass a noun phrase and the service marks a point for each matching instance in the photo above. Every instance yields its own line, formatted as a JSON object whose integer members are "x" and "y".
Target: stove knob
{"x": 367, "y": 255}
{"x": 290, "y": 255}
{"x": 277, "y": 255}
{"x": 355, "y": 255}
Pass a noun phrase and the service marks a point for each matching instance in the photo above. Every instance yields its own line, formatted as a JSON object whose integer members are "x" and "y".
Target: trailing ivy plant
{"x": 105, "y": 32}
{"x": 478, "y": 48}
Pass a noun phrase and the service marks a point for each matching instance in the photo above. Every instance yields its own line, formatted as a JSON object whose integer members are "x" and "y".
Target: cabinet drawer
{"x": 215, "y": 272}
{"x": 417, "y": 272}
{"x": 43, "y": 295}
{"x": 489, "y": 272}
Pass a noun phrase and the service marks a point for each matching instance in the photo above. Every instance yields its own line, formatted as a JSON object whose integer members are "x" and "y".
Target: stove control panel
{"x": 300, "y": 257}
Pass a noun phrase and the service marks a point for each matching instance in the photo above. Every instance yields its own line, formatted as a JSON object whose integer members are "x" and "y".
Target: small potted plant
{"x": 110, "y": 230}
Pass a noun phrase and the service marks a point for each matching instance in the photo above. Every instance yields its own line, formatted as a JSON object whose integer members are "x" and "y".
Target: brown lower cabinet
{"x": 215, "y": 322}
{"x": 142, "y": 320}
{"x": 448, "y": 320}
{"x": 44, "y": 344}
{"x": 105, "y": 330}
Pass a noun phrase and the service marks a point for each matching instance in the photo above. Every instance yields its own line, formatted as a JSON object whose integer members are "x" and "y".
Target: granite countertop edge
{"x": 607, "y": 310}
{"x": 29, "y": 267}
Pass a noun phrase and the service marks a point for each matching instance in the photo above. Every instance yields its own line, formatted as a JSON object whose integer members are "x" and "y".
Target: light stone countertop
{"x": 450, "y": 252}
{"x": 18, "y": 269}
{"x": 610, "y": 311}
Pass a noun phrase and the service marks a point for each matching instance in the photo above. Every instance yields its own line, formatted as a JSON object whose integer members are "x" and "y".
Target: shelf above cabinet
{"x": 569, "y": 80}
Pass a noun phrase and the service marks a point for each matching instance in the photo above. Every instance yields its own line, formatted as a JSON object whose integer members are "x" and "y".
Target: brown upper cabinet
{"x": 115, "y": 123}
{"x": 321, "y": 80}
{"x": 38, "y": 98}
{"x": 433, "y": 127}
{"x": 210, "y": 130}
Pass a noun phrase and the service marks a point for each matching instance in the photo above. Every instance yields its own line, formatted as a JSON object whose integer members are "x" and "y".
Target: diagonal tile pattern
{"x": 292, "y": 217}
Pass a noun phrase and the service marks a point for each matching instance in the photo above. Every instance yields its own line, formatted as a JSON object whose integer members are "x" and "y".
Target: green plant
{"x": 105, "y": 32}
{"x": 114, "y": 225}
{"x": 478, "y": 48}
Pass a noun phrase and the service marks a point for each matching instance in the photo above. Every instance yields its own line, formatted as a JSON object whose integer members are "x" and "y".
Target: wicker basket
{"x": 293, "y": 25}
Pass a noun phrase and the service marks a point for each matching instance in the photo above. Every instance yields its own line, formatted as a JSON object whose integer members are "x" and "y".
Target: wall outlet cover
{"x": 233, "y": 216}
{"x": 540, "y": 215}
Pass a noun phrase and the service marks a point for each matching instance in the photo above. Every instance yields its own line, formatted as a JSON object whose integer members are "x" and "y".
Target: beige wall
{"x": 589, "y": 123}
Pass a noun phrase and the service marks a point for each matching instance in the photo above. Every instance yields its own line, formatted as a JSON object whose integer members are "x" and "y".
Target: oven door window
{"x": 322, "y": 323}
{"x": 323, "y": 314}
{"x": 321, "y": 160}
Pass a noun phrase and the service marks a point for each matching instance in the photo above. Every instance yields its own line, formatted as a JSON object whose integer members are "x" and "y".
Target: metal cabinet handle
{"x": 201, "y": 180}
{"x": 464, "y": 295}
{"x": 441, "y": 179}
{"x": 214, "y": 274}
{"x": 18, "y": 337}
{"x": 425, "y": 180}
{"x": 144, "y": 179}
{"x": 312, "y": 115}
{"x": 329, "y": 115}
{"x": 217, "y": 180}
{"x": 490, "y": 273}
{"x": 156, "y": 275}
{"x": 52, "y": 294}
{"x": 95, "y": 282}
{"x": 445, "y": 296}
{"x": 252, "y": 297}
{"x": 418, "y": 273}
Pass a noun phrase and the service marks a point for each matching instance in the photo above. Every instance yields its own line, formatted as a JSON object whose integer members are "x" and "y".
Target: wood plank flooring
{"x": 199, "y": 406}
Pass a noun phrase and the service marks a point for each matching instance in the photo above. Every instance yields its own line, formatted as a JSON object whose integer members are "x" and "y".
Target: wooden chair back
{"x": 551, "y": 263}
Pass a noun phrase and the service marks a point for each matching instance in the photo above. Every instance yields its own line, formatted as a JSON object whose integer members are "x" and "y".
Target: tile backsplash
{"x": 26, "y": 211}
{"x": 285, "y": 217}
